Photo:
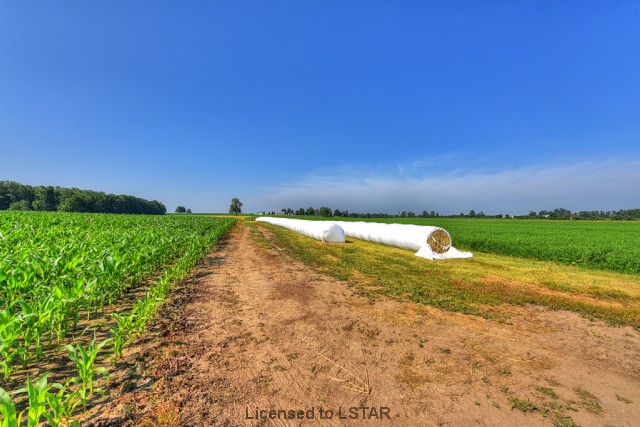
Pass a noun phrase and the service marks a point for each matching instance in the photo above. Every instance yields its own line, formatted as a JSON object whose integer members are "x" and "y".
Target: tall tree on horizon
{"x": 236, "y": 206}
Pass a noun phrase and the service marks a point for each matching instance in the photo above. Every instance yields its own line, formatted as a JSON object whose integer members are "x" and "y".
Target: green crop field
{"x": 58, "y": 269}
{"x": 597, "y": 245}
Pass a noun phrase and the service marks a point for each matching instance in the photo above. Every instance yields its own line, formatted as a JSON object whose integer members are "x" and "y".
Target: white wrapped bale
{"x": 325, "y": 231}
{"x": 429, "y": 242}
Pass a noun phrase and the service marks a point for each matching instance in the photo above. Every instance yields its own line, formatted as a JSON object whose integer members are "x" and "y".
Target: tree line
{"x": 560, "y": 213}
{"x": 325, "y": 211}
{"x": 557, "y": 214}
{"x": 16, "y": 196}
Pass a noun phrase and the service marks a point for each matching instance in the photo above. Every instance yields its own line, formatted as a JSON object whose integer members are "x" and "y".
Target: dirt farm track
{"x": 257, "y": 338}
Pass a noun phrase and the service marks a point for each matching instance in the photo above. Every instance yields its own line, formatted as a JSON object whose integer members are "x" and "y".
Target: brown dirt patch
{"x": 256, "y": 329}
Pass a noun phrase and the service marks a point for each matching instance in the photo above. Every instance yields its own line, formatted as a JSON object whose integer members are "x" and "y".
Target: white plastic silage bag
{"x": 429, "y": 242}
{"x": 325, "y": 231}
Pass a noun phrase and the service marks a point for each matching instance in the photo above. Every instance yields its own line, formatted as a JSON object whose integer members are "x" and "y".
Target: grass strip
{"x": 476, "y": 286}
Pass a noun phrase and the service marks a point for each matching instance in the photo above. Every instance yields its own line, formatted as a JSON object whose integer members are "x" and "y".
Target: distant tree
{"x": 311, "y": 211}
{"x": 236, "y": 206}
{"x": 74, "y": 202}
{"x": 188, "y": 210}
{"x": 325, "y": 211}
{"x": 633, "y": 213}
{"x": 300, "y": 212}
{"x": 411, "y": 214}
{"x": 289, "y": 211}
{"x": 533, "y": 214}
{"x": 560, "y": 213}
{"x": 44, "y": 199}
{"x": 11, "y": 191}
{"x": 472, "y": 213}
{"x": 481, "y": 214}
{"x": 158, "y": 208}
{"x": 181, "y": 209}
{"x": 6, "y": 196}
{"x": 20, "y": 205}
{"x": 337, "y": 213}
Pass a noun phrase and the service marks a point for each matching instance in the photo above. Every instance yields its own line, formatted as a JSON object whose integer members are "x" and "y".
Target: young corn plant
{"x": 143, "y": 310}
{"x": 120, "y": 332}
{"x": 56, "y": 408}
{"x": 9, "y": 333}
{"x": 67, "y": 314}
{"x": 85, "y": 358}
{"x": 47, "y": 306}
{"x": 61, "y": 406}
{"x": 10, "y": 417}
{"x": 92, "y": 297}
{"x": 29, "y": 320}
{"x": 164, "y": 284}
{"x": 37, "y": 400}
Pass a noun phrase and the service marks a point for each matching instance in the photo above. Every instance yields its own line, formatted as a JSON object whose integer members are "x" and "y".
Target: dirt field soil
{"x": 255, "y": 330}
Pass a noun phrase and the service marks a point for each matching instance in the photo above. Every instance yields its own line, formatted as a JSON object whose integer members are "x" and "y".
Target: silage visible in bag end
{"x": 439, "y": 241}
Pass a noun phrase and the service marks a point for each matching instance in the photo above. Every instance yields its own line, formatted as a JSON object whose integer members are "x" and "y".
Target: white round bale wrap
{"x": 325, "y": 231}
{"x": 429, "y": 242}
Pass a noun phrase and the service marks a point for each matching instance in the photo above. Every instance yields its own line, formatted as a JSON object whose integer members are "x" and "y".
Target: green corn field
{"x": 57, "y": 269}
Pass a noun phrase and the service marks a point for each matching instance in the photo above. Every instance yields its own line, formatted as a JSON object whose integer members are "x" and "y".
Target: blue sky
{"x": 499, "y": 106}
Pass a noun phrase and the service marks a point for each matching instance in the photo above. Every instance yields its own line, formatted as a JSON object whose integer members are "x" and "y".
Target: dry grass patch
{"x": 164, "y": 414}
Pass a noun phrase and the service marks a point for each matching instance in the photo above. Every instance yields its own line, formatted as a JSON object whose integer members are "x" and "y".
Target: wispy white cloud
{"x": 585, "y": 185}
